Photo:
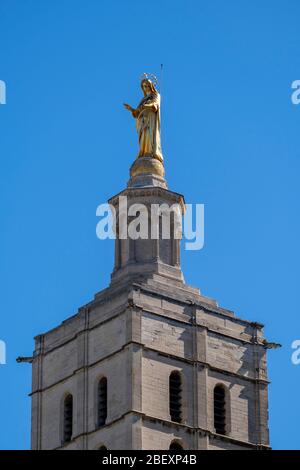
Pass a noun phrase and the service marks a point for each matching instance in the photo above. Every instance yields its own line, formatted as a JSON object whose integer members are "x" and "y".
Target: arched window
{"x": 102, "y": 401}
{"x": 175, "y": 445}
{"x": 68, "y": 418}
{"x": 175, "y": 391}
{"x": 220, "y": 409}
{"x": 102, "y": 448}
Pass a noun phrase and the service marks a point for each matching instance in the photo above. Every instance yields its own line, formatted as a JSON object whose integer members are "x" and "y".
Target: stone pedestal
{"x": 141, "y": 258}
{"x": 147, "y": 171}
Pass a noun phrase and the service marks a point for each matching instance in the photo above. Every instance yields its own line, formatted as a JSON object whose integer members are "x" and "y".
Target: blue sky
{"x": 230, "y": 140}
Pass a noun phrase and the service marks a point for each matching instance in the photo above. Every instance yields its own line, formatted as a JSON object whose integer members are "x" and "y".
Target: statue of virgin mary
{"x": 147, "y": 116}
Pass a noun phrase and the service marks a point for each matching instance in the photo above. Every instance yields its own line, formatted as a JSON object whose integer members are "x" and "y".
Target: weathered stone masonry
{"x": 145, "y": 325}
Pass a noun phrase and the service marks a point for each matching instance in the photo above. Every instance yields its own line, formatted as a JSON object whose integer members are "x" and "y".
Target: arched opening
{"x": 102, "y": 401}
{"x": 68, "y": 418}
{"x": 220, "y": 409}
{"x": 175, "y": 445}
{"x": 102, "y": 448}
{"x": 175, "y": 396}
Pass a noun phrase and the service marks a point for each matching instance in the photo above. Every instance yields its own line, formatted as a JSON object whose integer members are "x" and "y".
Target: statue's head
{"x": 148, "y": 86}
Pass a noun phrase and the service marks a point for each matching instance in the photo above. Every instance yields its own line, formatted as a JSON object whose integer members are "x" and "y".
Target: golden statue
{"x": 147, "y": 116}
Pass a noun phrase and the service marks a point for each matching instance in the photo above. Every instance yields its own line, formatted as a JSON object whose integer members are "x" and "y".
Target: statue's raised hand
{"x": 127, "y": 106}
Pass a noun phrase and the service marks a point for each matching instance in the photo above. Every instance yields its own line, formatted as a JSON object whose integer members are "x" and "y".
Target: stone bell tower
{"x": 150, "y": 363}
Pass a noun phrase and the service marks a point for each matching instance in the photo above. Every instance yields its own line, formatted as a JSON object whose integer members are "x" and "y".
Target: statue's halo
{"x": 151, "y": 77}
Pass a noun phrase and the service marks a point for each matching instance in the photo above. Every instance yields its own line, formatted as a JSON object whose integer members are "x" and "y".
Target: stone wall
{"x": 136, "y": 338}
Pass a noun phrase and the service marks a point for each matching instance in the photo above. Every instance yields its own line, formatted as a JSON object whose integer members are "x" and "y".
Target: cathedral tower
{"x": 150, "y": 363}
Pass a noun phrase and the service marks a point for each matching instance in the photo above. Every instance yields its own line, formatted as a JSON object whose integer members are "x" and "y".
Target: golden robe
{"x": 148, "y": 126}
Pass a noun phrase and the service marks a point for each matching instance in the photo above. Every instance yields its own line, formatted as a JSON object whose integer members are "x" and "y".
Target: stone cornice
{"x": 201, "y": 304}
{"x": 172, "y": 425}
{"x": 160, "y": 353}
{"x": 155, "y": 191}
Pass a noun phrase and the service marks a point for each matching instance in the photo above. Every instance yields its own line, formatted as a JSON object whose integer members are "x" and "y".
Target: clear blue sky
{"x": 230, "y": 141}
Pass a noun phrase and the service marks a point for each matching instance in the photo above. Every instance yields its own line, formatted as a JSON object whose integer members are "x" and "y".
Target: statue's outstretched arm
{"x": 134, "y": 112}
